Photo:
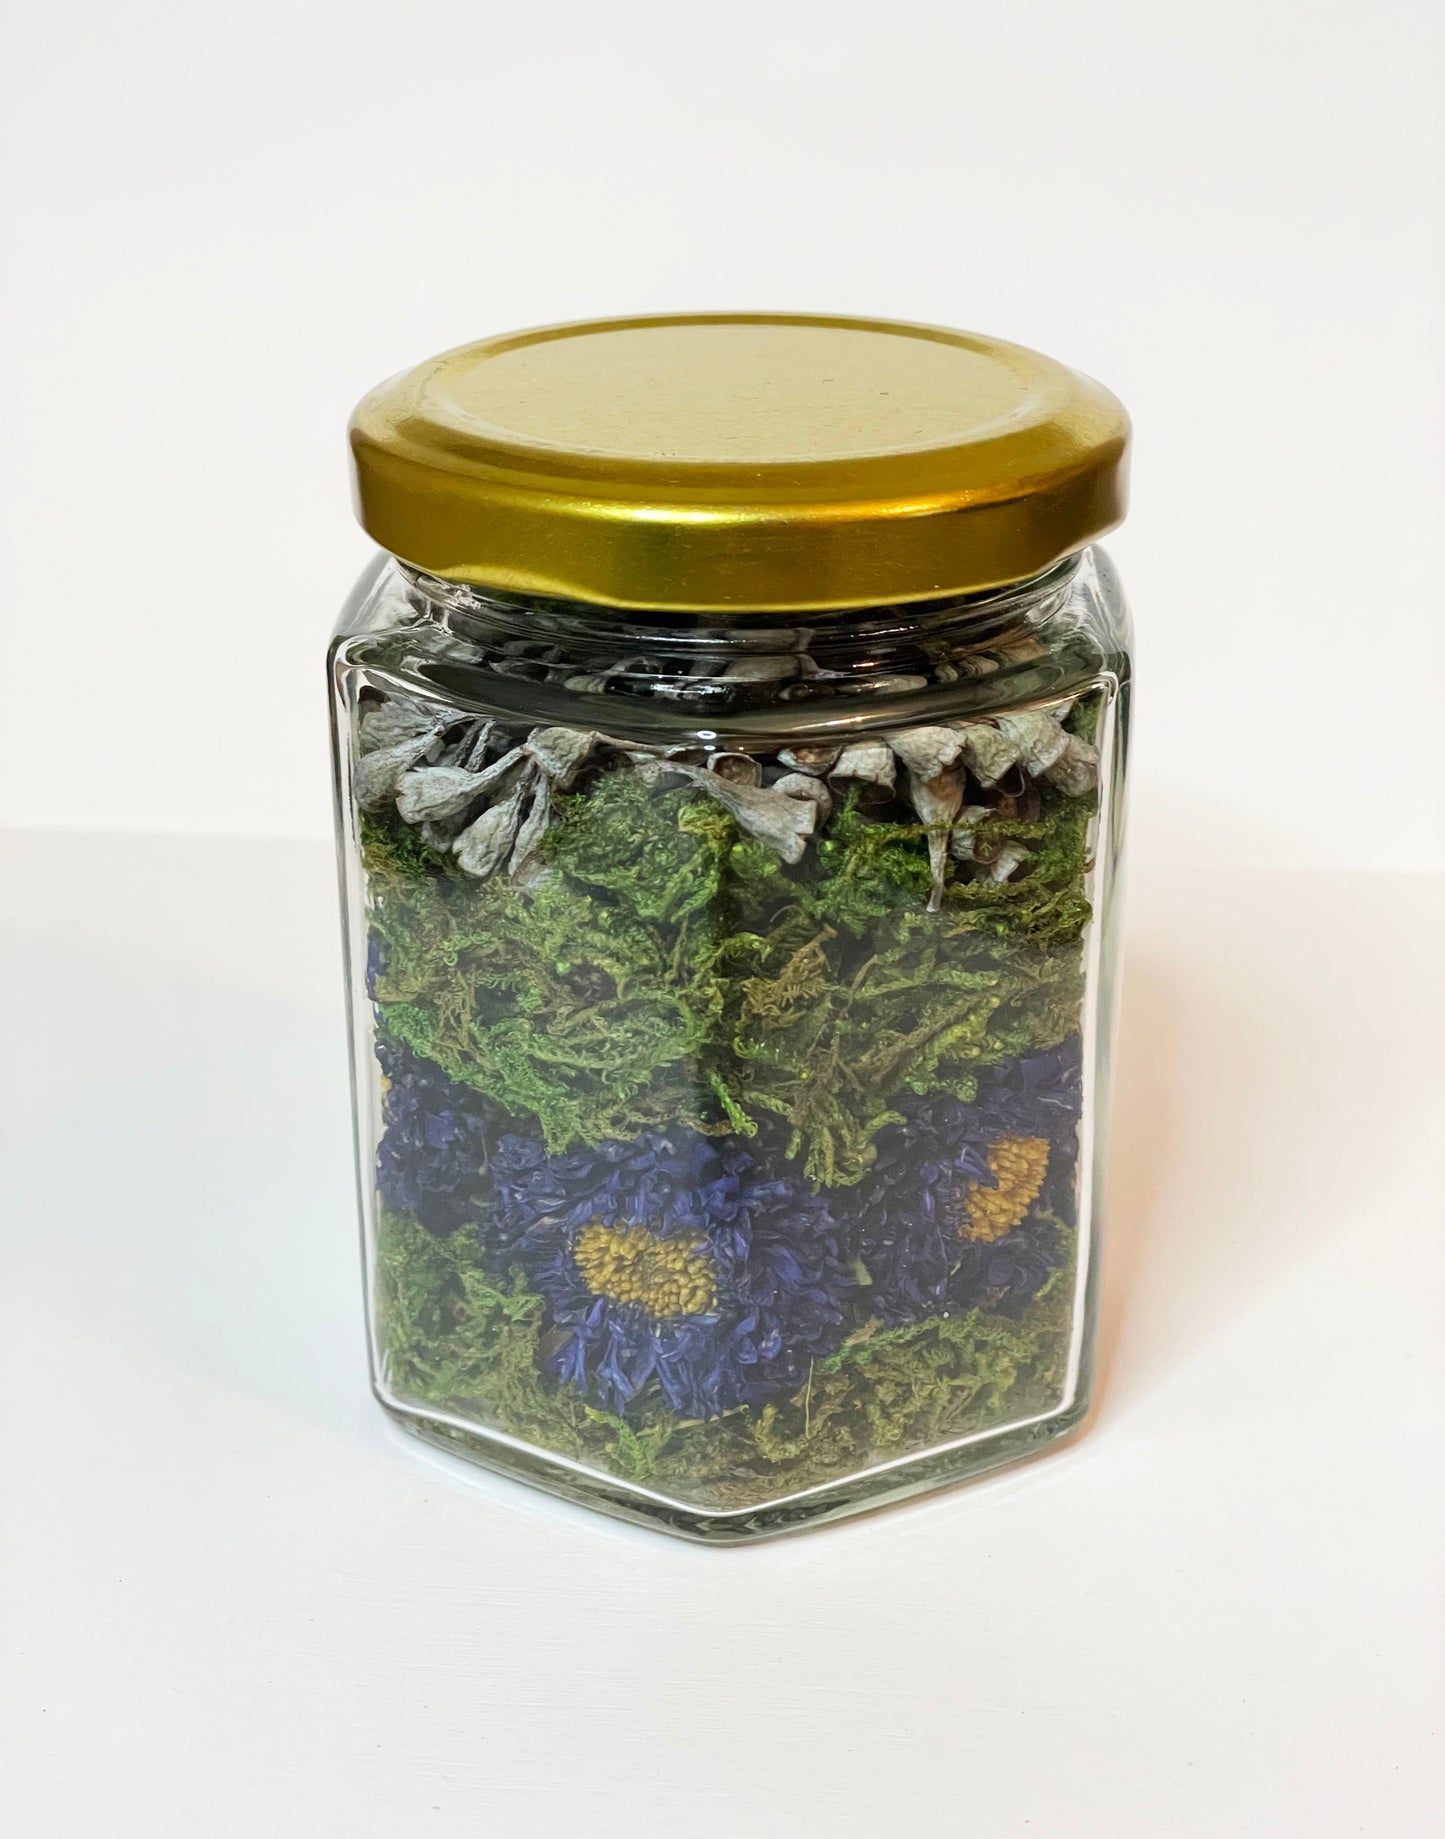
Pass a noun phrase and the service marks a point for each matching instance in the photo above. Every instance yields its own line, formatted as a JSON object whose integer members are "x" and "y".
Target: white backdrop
{"x": 224, "y": 223}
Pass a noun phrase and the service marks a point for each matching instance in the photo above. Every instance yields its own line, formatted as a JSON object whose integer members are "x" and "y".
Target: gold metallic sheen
{"x": 739, "y": 461}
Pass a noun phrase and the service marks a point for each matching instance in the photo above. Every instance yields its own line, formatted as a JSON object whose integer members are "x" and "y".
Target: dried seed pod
{"x": 989, "y": 752}
{"x": 561, "y": 752}
{"x": 483, "y": 846}
{"x": 532, "y": 828}
{"x": 937, "y": 802}
{"x": 433, "y": 792}
{"x": 963, "y": 838}
{"x": 976, "y": 664}
{"x": 783, "y": 823}
{"x": 399, "y": 719}
{"x": 477, "y": 743}
{"x": 1076, "y": 771}
{"x": 760, "y": 670}
{"x": 804, "y": 785}
{"x": 736, "y": 768}
{"x": 927, "y": 751}
{"x": 818, "y": 760}
{"x": 1022, "y": 649}
{"x": 870, "y": 761}
{"x": 1011, "y": 856}
{"x": 377, "y": 774}
{"x": 1039, "y": 738}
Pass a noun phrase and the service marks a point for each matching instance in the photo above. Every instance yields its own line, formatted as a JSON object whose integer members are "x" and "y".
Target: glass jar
{"x": 730, "y": 755}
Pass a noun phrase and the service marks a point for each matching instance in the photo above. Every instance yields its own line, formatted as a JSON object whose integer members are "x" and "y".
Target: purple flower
{"x": 945, "y": 1217}
{"x": 674, "y": 1260}
{"x": 432, "y": 1158}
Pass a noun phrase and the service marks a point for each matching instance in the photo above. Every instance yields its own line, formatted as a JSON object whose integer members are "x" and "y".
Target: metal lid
{"x": 739, "y": 461}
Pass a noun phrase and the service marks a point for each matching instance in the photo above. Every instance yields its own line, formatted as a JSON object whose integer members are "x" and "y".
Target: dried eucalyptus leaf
{"x": 1038, "y": 737}
{"x": 377, "y": 774}
{"x": 1076, "y": 771}
{"x": 561, "y": 752}
{"x": 871, "y": 761}
{"x": 927, "y": 751}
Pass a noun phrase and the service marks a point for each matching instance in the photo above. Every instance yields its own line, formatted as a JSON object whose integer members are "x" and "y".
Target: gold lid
{"x": 769, "y": 461}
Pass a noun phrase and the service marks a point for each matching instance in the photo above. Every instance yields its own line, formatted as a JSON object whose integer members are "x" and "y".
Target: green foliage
{"x": 454, "y": 1340}
{"x": 668, "y": 967}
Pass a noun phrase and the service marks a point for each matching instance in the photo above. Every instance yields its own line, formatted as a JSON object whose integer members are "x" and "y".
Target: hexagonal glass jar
{"x": 731, "y": 994}
{"x": 731, "y": 1014}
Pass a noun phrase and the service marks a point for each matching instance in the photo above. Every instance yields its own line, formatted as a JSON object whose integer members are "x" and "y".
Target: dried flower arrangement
{"x": 730, "y": 1099}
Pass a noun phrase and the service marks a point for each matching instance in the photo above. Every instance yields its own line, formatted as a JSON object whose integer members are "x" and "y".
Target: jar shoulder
{"x": 746, "y": 686}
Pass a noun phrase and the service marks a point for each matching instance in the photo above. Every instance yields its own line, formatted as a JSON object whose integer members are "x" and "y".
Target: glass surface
{"x": 730, "y": 1017}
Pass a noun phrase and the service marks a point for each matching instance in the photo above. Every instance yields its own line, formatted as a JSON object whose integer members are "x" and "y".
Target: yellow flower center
{"x": 1018, "y": 1166}
{"x": 629, "y": 1264}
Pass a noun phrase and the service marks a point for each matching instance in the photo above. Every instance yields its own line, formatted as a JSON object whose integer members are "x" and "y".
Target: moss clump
{"x": 456, "y": 1341}
{"x": 685, "y": 973}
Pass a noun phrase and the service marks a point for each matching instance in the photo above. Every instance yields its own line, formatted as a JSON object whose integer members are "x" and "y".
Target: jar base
{"x": 882, "y": 1486}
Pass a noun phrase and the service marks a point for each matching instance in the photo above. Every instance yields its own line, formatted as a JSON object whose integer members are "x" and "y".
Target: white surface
{"x": 223, "y": 223}
{"x": 239, "y": 1604}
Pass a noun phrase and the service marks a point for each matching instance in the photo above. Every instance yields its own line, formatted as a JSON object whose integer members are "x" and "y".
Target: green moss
{"x": 669, "y": 967}
{"x": 456, "y": 1341}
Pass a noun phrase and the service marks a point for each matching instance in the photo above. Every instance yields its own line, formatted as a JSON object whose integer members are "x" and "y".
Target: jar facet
{"x": 730, "y": 1007}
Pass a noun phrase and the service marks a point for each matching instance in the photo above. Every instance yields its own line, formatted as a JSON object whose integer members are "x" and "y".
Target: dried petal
{"x": 736, "y": 768}
{"x": 871, "y": 761}
{"x": 926, "y": 751}
{"x": 989, "y": 753}
{"x": 818, "y": 760}
{"x": 377, "y": 774}
{"x": 561, "y": 752}
{"x": 1076, "y": 771}
{"x": 804, "y": 785}
{"x": 1038, "y": 737}
{"x": 483, "y": 846}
